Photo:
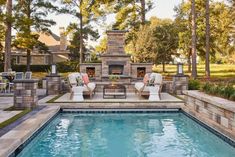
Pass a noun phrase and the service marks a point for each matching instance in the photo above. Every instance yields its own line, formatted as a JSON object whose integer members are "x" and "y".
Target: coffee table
{"x": 114, "y": 91}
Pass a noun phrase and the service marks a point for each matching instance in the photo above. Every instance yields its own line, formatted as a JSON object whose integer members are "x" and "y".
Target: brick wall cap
{"x": 217, "y": 101}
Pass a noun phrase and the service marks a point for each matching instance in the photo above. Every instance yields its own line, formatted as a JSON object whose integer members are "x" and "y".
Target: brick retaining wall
{"x": 216, "y": 112}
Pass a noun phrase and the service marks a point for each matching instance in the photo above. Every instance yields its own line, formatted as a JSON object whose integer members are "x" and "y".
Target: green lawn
{"x": 14, "y": 118}
{"x": 218, "y": 71}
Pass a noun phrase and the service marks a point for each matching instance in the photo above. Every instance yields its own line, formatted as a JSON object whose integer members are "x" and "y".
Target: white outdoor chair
{"x": 153, "y": 89}
{"x": 88, "y": 89}
{"x": 28, "y": 75}
{"x": 3, "y": 85}
{"x": 19, "y": 76}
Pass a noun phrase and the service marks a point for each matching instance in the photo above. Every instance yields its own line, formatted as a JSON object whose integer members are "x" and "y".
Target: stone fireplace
{"x": 115, "y": 69}
{"x": 116, "y": 62}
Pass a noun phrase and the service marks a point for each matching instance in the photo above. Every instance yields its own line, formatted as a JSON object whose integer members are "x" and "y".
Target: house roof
{"x": 49, "y": 40}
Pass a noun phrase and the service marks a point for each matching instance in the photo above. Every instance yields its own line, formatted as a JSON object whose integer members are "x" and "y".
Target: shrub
{"x": 33, "y": 68}
{"x": 63, "y": 67}
{"x": 194, "y": 85}
{"x": 222, "y": 90}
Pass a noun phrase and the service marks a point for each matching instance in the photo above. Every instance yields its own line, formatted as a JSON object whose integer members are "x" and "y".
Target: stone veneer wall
{"x": 180, "y": 83}
{"x": 53, "y": 84}
{"x": 97, "y": 67}
{"x": 116, "y": 42}
{"x": 25, "y": 93}
{"x": 214, "y": 111}
{"x": 119, "y": 60}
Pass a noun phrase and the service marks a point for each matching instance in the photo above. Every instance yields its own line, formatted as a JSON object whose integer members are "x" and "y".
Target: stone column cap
{"x": 25, "y": 81}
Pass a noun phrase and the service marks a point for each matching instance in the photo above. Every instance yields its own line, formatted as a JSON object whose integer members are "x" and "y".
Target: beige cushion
{"x": 90, "y": 85}
{"x": 139, "y": 85}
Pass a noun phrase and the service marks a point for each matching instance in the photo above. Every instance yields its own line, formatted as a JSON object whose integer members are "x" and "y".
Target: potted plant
{"x": 113, "y": 79}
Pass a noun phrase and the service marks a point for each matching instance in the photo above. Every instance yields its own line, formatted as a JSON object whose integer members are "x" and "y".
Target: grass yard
{"x": 218, "y": 71}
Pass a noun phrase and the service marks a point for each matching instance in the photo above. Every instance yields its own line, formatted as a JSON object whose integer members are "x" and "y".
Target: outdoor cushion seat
{"x": 89, "y": 87}
{"x": 140, "y": 86}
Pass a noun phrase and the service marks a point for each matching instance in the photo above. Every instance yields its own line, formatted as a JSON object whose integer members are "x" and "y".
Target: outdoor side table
{"x": 114, "y": 91}
{"x": 153, "y": 93}
{"x": 77, "y": 93}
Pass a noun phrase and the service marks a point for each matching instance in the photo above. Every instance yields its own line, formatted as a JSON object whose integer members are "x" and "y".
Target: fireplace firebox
{"x": 116, "y": 69}
{"x": 90, "y": 72}
{"x": 141, "y": 71}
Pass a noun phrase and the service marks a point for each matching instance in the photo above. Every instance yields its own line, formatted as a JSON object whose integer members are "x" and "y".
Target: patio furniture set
{"x": 80, "y": 85}
{"x": 6, "y": 80}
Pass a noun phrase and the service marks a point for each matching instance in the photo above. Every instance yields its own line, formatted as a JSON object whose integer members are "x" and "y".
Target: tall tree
{"x": 144, "y": 45}
{"x": 183, "y": 22}
{"x": 74, "y": 46}
{"x": 143, "y": 12}
{"x": 30, "y": 17}
{"x": 2, "y": 29}
{"x": 8, "y": 22}
{"x": 86, "y": 11}
{"x": 130, "y": 14}
{"x": 221, "y": 22}
{"x": 166, "y": 41}
{"x": 207, "y": 65}
{"x": 194, "y": 52}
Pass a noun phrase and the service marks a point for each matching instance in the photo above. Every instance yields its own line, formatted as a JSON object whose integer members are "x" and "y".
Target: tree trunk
{"x": 189, "y": 61}
{"x": 143, "y": 12}
{"x": 194, "y": 53}
{"x": 28, "y": 59}
{"x": 163, "y": 67}
{"x": 207, "y": 65}
{"x": 28, "y": 32}
{"x": 81, "y": 34}
{"x": 7, "y": 61}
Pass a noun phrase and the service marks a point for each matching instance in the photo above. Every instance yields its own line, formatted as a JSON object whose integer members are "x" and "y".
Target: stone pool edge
{"x": 16, "y": 138}
{"x": 12, "y": 140}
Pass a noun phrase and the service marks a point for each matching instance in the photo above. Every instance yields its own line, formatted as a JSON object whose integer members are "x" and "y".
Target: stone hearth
{"x": 116, "y": 61}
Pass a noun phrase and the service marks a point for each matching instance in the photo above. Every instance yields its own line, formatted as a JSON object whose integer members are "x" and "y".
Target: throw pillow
{"x": 85, "y": 79}
{"x": 79, "y": 81}
{"x": 146, "y": 79}
{"x": 151, "y": 80}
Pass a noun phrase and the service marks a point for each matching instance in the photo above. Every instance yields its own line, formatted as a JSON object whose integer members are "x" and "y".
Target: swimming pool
{"x": 126, "y": 135}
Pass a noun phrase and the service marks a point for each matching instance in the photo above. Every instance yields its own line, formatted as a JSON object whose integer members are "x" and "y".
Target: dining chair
{"x": 28, "y": 75}
{"x": 19, "y": 76}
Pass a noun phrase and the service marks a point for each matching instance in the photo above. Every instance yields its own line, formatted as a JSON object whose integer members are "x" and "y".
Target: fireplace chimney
{"x": 63, "y": 39}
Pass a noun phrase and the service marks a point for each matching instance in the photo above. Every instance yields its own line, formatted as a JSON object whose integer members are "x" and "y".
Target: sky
{"x": 162, "y": 9}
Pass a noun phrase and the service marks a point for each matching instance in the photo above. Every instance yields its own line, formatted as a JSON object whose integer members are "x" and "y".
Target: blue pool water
{"x": 126, "y": 135}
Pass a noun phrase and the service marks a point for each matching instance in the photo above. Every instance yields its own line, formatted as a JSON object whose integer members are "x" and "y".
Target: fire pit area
{"x": 116, "y": 62}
